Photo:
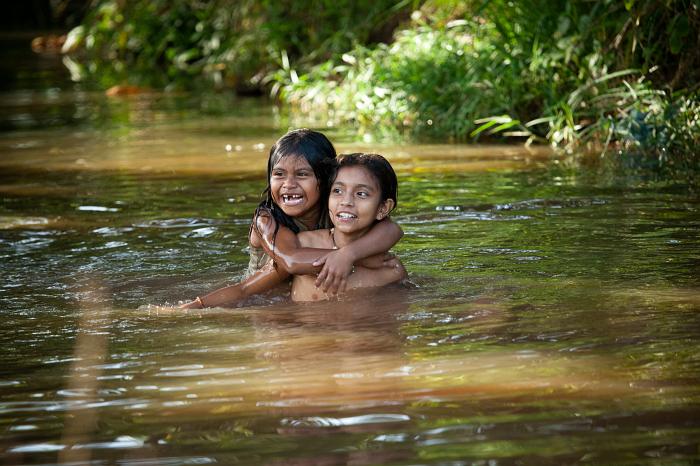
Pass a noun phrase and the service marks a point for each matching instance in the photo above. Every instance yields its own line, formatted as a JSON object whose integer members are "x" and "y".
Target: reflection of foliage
{"x": 231, "y": 42}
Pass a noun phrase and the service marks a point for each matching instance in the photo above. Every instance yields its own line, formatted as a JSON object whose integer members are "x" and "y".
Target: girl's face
{"x": 294, "y": 187}
{"x": 355, "y": 201}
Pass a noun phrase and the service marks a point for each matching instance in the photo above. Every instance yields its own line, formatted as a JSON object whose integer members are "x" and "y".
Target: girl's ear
{"x": 384, "y": 209}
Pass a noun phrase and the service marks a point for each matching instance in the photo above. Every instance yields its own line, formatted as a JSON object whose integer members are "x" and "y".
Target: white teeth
{"x": 346, "y": 215}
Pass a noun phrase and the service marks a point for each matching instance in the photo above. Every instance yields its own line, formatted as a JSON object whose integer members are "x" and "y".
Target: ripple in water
{"x": 175, "y": 223}
{"x": 97, "y": 208}
{"x": 199, "y": 233}
{"x": 345, "y": 421}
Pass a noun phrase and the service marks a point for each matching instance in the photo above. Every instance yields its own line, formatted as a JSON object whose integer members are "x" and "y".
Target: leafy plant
{"x": 566, "y": 73}
{"x": 231, "y": 43}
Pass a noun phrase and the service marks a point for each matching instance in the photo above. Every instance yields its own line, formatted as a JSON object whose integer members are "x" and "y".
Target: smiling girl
{"x": 364, "y": 192}
{"x": 299, "y": 171}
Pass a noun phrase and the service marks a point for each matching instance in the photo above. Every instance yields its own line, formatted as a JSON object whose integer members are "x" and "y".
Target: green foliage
{"x": 232, "y": 43}
{"x": 427, "y": 81}
{"x": 668, "y": 130}
{"x": 564, "y": 72}
{"x": 567, "y": 73}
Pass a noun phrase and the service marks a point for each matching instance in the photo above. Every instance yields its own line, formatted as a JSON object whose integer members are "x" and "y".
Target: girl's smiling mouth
{"x": 292, "y": 199}
{"x": 345, "y": 216}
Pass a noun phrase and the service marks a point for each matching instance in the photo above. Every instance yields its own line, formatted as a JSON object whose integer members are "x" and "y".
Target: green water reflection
{"x": 555, "y": 318}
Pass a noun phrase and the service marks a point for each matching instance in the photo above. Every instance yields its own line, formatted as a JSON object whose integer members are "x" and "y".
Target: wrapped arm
{"x": 337, "y": 264}
{"x": 336, "y": 270}
{"x": 382, "y": 237}
{"x": 286, "y": 250}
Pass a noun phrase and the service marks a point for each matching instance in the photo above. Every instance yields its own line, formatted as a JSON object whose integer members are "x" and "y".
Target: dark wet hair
{"x": 379, "y": 167}
{"x": 318, "y": 151}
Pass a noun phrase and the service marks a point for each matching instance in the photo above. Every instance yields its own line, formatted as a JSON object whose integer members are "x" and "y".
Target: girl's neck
{"x": 310, "y": 219}
{"x": 341, "y": 239}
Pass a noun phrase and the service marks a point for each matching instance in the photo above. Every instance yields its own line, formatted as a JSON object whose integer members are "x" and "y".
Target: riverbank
{"x": 604, "y": 77}
{"x": 566, "y": 79}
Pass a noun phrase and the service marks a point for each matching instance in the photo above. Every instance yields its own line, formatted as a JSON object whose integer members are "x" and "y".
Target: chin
{"x": 292, "y": 211}
{"x": 349, "y": 228}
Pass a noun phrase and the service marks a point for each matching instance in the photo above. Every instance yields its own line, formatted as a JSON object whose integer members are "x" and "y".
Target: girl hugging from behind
{"x": 363, "y": 192}
{"x": 299, "y": 173}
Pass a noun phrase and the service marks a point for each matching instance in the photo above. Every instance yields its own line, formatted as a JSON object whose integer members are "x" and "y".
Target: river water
{"x": 554, "y": 318}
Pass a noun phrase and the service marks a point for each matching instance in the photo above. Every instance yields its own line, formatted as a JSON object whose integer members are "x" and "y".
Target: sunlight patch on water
{"x": 8, "y": 223}
{"x": 201, "y": 154}
{"x": 200, "y": 233}
{"x": 345, "y": 421}
{"x": 97, "y": 208}
{"x": 123, "y": 441}
{"x": 37, "y": 448}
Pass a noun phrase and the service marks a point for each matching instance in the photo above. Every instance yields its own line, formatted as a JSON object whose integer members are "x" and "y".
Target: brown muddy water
{"x": 555, "y": 317}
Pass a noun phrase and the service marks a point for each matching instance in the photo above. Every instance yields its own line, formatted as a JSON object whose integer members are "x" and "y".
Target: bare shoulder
{"x": 254, "y": 238}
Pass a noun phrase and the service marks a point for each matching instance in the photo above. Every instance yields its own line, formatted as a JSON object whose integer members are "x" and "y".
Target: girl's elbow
{"x": 288, "y": 265}
{"x": 403, "y": 275}
{"x": 399, "y": 273}
{"x": 397, "y": 230}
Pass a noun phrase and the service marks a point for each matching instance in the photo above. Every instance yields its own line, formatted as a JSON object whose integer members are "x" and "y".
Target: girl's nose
{"x": 290, "y": 181}
{"x": 347, "y": 199}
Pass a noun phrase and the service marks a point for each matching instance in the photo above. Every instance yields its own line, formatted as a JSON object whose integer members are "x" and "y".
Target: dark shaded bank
{"x": 42, "y": 15}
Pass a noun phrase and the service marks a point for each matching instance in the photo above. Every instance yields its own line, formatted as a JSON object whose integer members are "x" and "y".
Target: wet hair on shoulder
{"x": 379, "y": 167}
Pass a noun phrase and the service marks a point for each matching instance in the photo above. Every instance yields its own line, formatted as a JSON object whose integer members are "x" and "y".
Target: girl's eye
{"x": 277, "y": 173}
{"x": 302, "y": 173}
{"x": 336, "y": 191}
{"x": 362, "y": 194}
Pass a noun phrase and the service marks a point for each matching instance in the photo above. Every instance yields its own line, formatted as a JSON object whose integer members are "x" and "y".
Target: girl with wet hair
{"x": 299, "y": 170}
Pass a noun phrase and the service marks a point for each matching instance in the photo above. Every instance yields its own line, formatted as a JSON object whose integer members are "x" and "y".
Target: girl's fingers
{"x": 325, "y": 284}
{"x": 321, "y": 278}
{"x": 337, "y": 284}
{"x": 319, "y": 261}
{"x": 329, "y": 285}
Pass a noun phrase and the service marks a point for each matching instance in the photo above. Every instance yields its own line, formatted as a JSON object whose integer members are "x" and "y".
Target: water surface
{"x": 554, "y": 319}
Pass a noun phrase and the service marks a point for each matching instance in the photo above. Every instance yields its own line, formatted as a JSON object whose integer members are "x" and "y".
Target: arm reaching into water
{"x": 334, "y": 265}
{"x": 263, "y": 280}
